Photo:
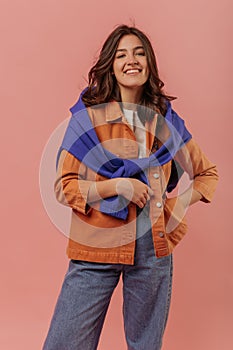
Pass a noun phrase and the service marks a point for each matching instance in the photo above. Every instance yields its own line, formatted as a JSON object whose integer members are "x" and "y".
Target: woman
{"x": 123, "y": 150}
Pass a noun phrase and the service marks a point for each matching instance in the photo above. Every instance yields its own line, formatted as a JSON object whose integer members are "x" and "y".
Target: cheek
{"x": 147, "y": 71}
{"x": 117, "y": 72}
{"x": 116, "y": 68}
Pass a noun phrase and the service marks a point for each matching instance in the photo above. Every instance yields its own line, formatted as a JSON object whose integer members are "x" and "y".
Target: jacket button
{"x": 156, "y": 176}
{"x": 161, "y": 234}
{"x": 158, "y": 205}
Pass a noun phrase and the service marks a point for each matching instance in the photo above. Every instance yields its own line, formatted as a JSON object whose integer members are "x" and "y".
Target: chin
{"x": 134, "y": 85}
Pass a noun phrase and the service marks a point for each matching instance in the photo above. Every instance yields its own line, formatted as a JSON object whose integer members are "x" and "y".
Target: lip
{"x": 132, "y": 71}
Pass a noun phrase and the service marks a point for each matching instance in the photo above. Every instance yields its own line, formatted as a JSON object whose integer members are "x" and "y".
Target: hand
{"x": 134, "y": 190}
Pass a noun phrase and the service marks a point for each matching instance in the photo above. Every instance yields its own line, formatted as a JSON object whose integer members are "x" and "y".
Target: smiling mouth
{"x": 132, "y": 71}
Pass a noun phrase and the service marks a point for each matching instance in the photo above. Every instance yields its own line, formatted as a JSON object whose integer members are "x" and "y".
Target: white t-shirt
{"x": 138, "y": 128}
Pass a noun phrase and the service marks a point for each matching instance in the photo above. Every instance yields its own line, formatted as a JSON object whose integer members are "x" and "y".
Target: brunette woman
{"x": 124, "y": 149}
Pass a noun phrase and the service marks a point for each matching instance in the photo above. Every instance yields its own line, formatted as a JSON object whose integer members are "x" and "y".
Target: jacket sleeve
{"x": 199, "y": 168}
{"x": 71, "y": 187}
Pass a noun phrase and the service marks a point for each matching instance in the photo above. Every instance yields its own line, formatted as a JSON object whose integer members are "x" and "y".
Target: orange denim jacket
{"x": 98, "y": 237}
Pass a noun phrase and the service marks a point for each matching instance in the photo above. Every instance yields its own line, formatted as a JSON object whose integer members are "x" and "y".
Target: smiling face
{"x": 130, "y": 64}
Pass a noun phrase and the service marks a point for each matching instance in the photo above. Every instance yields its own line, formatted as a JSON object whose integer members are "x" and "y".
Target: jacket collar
{"x": 113, "y": 112}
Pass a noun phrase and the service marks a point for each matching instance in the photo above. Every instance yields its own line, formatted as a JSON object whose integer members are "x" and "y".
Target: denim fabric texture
{"x": 86, "y": 293}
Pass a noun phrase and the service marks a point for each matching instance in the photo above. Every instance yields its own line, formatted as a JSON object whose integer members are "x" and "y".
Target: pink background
{"x": 47, "y": 48}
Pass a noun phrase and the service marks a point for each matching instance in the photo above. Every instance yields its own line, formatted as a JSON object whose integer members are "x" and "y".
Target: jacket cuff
{"x": 203, "y": 189}
{"x": 81, "y": 204}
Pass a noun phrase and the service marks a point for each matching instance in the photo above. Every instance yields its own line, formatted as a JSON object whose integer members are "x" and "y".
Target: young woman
{"x": 123, "y": 150}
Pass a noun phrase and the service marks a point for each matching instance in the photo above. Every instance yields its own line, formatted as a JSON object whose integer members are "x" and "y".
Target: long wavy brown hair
{"x": 102, "y": 84}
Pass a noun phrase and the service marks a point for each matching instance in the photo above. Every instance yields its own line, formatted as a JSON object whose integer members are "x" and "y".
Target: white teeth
{"x": 132, "y": 71}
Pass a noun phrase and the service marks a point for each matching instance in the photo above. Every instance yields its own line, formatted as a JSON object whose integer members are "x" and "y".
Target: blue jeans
{"x": 86, "y": 293}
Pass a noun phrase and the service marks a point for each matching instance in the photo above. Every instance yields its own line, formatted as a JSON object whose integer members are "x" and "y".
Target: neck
{"x": 130, "y": 96}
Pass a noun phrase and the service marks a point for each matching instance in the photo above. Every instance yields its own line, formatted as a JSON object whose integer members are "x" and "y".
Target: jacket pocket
{"x": 174, "y": 220}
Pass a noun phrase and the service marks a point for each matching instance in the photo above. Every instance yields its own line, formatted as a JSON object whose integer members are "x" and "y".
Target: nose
{"x": 132, "y": 60}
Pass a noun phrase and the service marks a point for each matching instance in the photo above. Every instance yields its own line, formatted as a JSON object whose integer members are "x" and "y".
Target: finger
{"x": 140, "y": 204}
{"x": 145, "y": 195}
{"x": 150, "y": 191}
{"x": 144, "y": 199}
{"x": 143, "y": 202}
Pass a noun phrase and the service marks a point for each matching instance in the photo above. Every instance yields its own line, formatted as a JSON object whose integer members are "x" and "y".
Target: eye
{"x": 121, "y": 55}
{"x": 140, "y": 53}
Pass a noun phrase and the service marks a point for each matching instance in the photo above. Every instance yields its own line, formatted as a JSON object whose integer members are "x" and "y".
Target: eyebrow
{"x": 135, "y": 48}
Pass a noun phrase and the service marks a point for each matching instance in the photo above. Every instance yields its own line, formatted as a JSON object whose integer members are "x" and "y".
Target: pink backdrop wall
{"x": 47, "y": 48}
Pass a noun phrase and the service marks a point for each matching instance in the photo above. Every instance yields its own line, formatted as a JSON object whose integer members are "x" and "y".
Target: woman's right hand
{"x": 134, "y": 190}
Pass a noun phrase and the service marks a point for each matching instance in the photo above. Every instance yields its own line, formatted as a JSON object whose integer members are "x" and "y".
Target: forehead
{"x": 129, "y": 42}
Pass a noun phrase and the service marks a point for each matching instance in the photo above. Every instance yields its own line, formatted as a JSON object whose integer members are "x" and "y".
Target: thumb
{"x": 150, "y": 191}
